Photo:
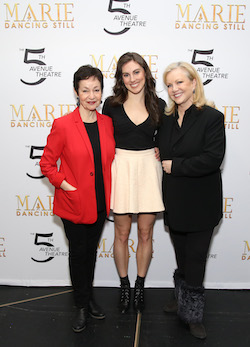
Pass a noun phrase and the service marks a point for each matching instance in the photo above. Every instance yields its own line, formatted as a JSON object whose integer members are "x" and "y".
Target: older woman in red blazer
{"x": 83, "y": 141}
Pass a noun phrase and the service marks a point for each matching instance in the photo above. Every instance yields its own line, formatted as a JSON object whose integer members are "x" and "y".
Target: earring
{"x": 78, "y": 101}
{"x": 194, "y": 91}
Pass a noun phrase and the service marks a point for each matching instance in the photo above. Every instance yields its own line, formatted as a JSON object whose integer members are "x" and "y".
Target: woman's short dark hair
{"x": 85, "y": 72}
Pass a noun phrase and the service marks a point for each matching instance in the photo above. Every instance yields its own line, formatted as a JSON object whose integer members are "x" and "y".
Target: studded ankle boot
{"x": 139, "y": 297}
{"x": 124, "y": 297}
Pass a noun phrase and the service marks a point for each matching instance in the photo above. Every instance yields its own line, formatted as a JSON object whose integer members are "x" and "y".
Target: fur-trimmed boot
{"x": 191, "y": 302}
{"x": 172, "y": 306}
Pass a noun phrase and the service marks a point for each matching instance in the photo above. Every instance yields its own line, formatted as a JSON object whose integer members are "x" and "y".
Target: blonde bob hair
{"x": 199, "y": 98}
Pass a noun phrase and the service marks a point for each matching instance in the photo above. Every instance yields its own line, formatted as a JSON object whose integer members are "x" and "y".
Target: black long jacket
{"x": 193, "y": 191}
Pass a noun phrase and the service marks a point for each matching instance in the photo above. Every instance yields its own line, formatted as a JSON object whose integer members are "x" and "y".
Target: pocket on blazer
{"x": 69, "y": 200}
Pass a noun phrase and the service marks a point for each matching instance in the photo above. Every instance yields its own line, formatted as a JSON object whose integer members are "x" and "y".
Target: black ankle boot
{"x": 197, "y": 330}
{"x": 171, "y": 306}
{"x": 124, "y": 298}
{"x": 139, "y": 297}
{"x": 95, "y": 311}
{"x": 80, "y": 321}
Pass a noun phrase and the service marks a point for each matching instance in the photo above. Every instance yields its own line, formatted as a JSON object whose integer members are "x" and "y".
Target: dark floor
{"x": 46, "y": 320}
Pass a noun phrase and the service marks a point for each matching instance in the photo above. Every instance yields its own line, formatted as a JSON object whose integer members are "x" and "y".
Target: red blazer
{"x": 69, "y": 142}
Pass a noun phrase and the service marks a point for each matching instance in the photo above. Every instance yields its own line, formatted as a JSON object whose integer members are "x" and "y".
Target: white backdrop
{"x": 43, "y": 44}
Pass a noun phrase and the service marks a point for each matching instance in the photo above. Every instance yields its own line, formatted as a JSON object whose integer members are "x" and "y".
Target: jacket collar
{"x": 190, "y": 118}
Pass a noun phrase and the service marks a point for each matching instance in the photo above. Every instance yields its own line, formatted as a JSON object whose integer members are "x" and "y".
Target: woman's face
{"x": 90, "y": 93}
{"x": 133, "y": 76}
{"x": 180, "y": 87}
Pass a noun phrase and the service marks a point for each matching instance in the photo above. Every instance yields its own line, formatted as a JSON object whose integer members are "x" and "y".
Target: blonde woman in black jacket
{"x": 192, "y": 145}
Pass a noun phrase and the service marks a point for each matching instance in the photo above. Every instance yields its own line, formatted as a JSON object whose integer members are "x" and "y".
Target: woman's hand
{"x": 167, "y": 165}
{"x": 157, "y": 153}
{"x": 67, "y": 187}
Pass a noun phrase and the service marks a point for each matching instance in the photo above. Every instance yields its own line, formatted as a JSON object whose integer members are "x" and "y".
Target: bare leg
{"x": 121, "y": 254}
{"x": 143, "y": 256}
{"x": 145, "y": 236}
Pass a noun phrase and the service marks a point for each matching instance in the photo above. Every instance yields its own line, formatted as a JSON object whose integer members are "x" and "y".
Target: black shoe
{"x": 80, "y": 321}
{"x": 124, "y": 298}
{"x": 138, "y": 298}
{"x": 95, "y": 311}
{"x": 198, "y": 330}
{"x": 171, "y": 306}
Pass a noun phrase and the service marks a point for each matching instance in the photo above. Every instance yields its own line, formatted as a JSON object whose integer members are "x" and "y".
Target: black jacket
{"x": 193, "y": 191}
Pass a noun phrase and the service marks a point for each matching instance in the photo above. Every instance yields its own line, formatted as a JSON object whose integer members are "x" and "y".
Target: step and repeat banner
{"x": 42, "y": 45}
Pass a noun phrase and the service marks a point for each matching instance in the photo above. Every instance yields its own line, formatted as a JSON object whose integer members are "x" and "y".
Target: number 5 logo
{"x": 202, "y": 62}
{"x": 33, "y": 61}
{"x": 44, "y": 243}
{"x": 34, "y": 156}
{"x": 121, "y": 10}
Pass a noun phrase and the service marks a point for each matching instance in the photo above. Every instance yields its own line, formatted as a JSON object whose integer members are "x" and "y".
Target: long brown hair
{"x": 121, "y": 92}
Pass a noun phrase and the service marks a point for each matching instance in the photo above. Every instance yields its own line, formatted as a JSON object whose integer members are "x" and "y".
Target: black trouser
{"x": 191, "y": 250}
{"x": 83, "y": 240}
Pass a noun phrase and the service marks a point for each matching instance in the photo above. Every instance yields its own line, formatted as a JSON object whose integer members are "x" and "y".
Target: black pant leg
{"x": 83, "y": 240}
{"x": 196, "y": 256}
{"x": 179, "y": 243}
{"x": 191, "y": 250}
{"x": 93, "y": 239}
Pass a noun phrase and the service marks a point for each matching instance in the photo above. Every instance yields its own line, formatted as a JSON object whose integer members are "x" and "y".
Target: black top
{"x": 93, "y": 133}
{"x": 128, "y": 135}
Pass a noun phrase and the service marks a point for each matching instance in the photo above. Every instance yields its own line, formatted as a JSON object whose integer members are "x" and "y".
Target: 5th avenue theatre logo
{"x": 204, "y": 60}
{"x": 122, "y": 17}
{"x": 38, "y": 16}
{"x": 37, "y": 69}
{"x": 205, "y": 67}
{"x": 246, "y": 251}
{"x": 34, "y": 206}
{"x": 227, "y": 208}
{"x": 33, "y": 116}
{"x": 45, "y": 249}
{"x": 2, "y": 247}
{"x": 210, "y": 16}
{"x": 108, "y": 64}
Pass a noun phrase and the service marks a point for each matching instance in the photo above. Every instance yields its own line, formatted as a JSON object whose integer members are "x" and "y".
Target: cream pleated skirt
{"x": 136, "y": 182}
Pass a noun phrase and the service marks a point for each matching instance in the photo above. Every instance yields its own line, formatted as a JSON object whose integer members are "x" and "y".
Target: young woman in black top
{"x": 136, "y": 173}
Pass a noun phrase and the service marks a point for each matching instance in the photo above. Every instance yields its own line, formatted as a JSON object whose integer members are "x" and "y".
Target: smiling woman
{"x": 133, "y": 77}
{"x": 136, "y": 174}
{"x": 192, "y": 146}
{"x": 83, "y": 141}
{"x": 89, "y": 94}
{"x": 181, "y": 90}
